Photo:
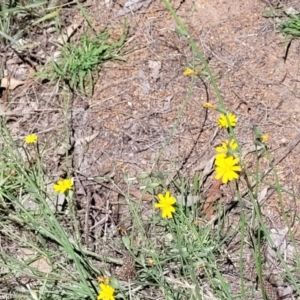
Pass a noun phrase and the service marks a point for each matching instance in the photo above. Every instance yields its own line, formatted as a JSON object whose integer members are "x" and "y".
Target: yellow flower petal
{"x": 223, "y": 122}
{"x": 161, "y": 198}
{"x": 167, "y": 213}
{"x": 63, "y": 185}
{"x": 189, "y": 72}
{"x": 106, "y": 292}
{"x": 31, "y": 138}
{"x": 165, "y": 204}
{"x": 264, "y": 138}
{"x": 227, "y": 168}
{"x": 233, "y": 144}
{"x": 220, "y": 156}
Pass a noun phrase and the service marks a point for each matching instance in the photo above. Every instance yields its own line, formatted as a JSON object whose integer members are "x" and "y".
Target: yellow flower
{"x": 264, "y": 138}
{"x": 209, "y": 105}
{"x": 63, "y": 185}
{"x": 189, "y": 72}
{"x": 227, "y": 168}
{"x": 106, "y": 292}
{"x": 227, "y": 148}
{"x": 222, "y": 121}
{"x": 150, "y": 262}
{"x": 31, "y": 139}
{"x": 220, "y": 156}
{"x": 165, "y": 204}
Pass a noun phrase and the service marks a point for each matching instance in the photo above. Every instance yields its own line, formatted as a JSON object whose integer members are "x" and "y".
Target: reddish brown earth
{"x": 135, "y": 112}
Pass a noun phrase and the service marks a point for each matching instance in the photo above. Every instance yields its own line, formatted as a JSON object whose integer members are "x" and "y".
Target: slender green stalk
{"x": 184, "y": 104}
{"x": 198, "y": 53}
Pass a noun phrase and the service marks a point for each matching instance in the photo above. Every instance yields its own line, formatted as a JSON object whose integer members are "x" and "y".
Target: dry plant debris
{"x": 144, "y": 132}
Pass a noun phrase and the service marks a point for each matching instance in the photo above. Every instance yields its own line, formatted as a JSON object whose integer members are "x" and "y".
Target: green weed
{"x": 291, "y": 27}
{"x": 14, "y": 13}
{"x": 26, "y": 202}
{"x": 176, "y": 255}
{"x": 78, "y": 62}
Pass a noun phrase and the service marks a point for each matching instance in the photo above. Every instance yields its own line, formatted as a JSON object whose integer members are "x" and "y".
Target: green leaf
{"x": 158, "y": 175}
{"x": 181, "y": 32}
{"x": 269, "y": 12}
{"x": 126, "y": 241}
{"x": 49, "y": 16}
{"x": 8, "y": 37}
{"x": 152, "y": 185}
{"x": 143, "y": 176}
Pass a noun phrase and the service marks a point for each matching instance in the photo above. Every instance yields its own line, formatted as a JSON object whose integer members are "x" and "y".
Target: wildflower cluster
{"x": 226, "y": 161}
{"x": 61, "y": 186}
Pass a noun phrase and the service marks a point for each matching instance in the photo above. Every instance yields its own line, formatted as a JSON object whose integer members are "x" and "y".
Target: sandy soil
{"x": 136, "y": 103}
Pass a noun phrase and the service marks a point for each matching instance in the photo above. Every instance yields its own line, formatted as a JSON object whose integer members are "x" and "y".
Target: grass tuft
{"x": 78, "y": 62}
{"x": 291, "y": 27}
{"x": 182, "y": 243}
{"x": 15, "y": 15}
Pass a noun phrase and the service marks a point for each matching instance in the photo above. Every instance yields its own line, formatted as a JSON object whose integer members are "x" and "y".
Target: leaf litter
{"x": 132, "y": 6}
{"x": 111, "y": 143}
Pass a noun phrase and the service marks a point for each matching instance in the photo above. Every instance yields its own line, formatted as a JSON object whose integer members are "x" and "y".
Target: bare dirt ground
{"x": 122, "y": 127}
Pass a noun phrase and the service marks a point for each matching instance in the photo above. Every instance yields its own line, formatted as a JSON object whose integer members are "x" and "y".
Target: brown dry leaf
{"x": 144, "y": 82}
{"x": 154, "y": 67}
{"x": 166, "y": 107}
{"x": 138, "y": 194}
{"x": 133, "y": 5}
{"x": 280, "y": 245}
{"x": 70, "y": 31}
{"x": 213, "y": 194}
{"x": 87, "y": 139}
{"x": 11, "y": 83}
{"x": 41, "y": 264}
{"x": 262, "y": 195}
{"x": 208, "y": 167}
